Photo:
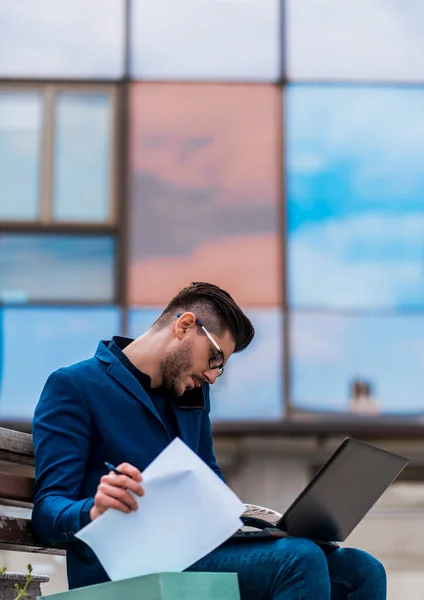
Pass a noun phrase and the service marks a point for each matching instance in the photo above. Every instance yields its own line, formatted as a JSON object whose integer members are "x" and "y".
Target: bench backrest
{"x": 16, "y": 490}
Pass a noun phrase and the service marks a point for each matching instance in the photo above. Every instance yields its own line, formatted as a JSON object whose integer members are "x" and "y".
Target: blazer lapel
{"x": 186, "y": 409}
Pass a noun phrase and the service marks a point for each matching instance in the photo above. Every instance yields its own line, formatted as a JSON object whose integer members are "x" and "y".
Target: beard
{"x": 175, "y": 364}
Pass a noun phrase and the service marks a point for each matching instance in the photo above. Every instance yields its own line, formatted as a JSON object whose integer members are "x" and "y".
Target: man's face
{"x": 186, "y": 364}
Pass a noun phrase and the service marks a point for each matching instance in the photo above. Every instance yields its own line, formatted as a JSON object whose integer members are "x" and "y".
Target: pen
{"x": 114, "y": 469}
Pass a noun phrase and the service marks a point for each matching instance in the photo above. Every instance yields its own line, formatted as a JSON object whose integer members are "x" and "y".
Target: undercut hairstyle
{"x": 215, "y": 309}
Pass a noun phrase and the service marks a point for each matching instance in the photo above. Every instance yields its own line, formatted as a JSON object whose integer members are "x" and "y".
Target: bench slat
{"x": 16, "y": 447}
{"x": 16, "y": 487}
{"x": 17, "y": 534}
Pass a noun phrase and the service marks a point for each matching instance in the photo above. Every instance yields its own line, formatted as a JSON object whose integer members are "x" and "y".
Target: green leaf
{"x": 22, "y": 592}
{"x": 3, "y": 570}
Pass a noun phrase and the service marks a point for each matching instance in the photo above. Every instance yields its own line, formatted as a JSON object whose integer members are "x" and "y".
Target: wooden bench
{"x": 16, "y": 490}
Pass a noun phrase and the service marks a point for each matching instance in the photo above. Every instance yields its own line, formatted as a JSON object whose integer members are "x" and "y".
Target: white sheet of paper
{"x": 187, "y": 511}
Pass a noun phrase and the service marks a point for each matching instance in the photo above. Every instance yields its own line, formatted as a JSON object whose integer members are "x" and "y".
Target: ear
{"x": 185, "y": 322}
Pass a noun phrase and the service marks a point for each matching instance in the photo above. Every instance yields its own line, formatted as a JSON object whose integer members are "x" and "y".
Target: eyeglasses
{"x": 217, "y": 360}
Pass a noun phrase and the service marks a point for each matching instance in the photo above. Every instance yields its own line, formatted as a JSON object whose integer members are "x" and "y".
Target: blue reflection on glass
{"x": 140, "y": 320}
{"x": 56, "y": 267}
{"x": 330, "y": 352}
{"x": 251, "y": 387}
{"x": 39, "y": 340}
{"x": 355, "y": 201}
{"x": 21, "y": 115}
{"x": 83, "y": 139}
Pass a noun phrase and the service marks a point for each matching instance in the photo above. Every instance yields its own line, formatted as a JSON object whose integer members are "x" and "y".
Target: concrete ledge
{"x": 8, "y": 581}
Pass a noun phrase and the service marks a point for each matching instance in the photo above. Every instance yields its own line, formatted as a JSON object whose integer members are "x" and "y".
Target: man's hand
{"x": 113, "y": 491}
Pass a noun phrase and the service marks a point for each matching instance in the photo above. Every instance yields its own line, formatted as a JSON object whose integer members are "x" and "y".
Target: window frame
{"x": 45, "y": 224}
{"x": 46, "y": 161}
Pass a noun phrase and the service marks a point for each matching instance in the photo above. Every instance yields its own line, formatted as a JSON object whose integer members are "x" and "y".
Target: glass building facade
{"x": 250, "y": 143}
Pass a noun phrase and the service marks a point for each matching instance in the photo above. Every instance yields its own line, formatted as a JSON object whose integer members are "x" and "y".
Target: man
{"x": 124, "y": 406}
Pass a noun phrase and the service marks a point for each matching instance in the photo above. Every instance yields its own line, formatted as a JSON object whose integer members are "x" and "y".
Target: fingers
{"x": 111, "y": 496}
{"x": 114, "y": 491}
{"x": 131, "y": 471}
{"x": 122, "y": 481}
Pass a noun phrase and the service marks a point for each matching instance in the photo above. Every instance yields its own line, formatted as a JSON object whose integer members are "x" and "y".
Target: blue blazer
{"x": 89, "y": 413}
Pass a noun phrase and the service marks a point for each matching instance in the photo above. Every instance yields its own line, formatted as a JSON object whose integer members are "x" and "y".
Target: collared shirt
{"x": 159, "y": 396}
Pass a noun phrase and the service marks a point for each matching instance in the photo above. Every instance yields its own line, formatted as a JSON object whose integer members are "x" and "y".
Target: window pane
{"x": 206, "y": 39}
{"x": 251, "y": 387}
{"x": 38, "y": 340}
{"x": 70, "y": 38}
{"x": 82, "y": 157}
{"x": 204, "y": 191}
{"x": 141, "y": 320}
{"x": 332, "y": 352}
{"x": 56, "y": 267}
{"x": 336, "y": 39}
{"x": 355, "y": 201}
{"x": 20, "y": 148}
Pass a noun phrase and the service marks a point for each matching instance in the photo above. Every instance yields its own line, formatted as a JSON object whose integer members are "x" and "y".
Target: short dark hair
{"x": 216, "y": 310}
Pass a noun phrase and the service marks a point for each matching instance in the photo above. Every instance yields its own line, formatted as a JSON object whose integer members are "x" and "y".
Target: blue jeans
{"x": 297, "y": 569}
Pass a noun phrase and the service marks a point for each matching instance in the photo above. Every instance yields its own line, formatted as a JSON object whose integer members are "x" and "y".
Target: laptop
{"x": 338, "y": 497}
